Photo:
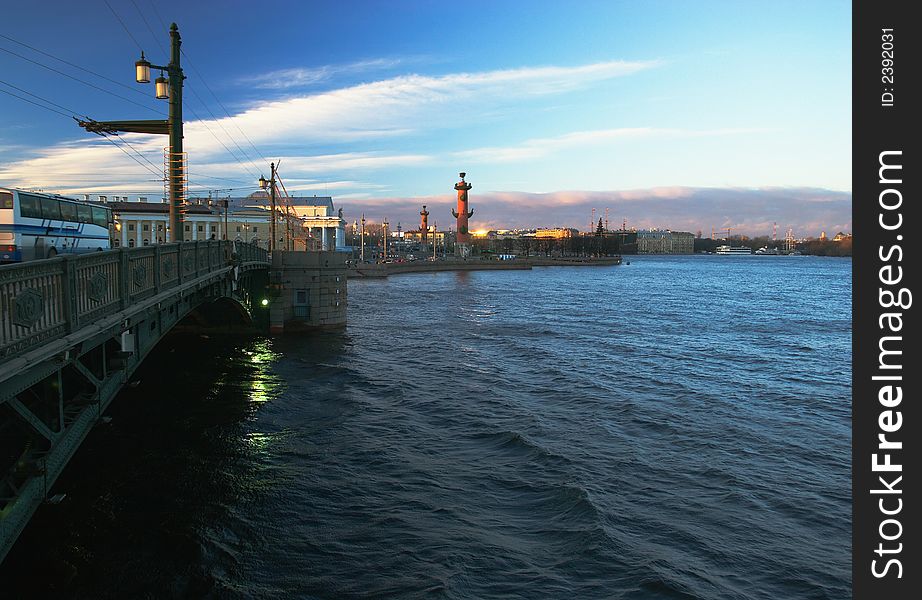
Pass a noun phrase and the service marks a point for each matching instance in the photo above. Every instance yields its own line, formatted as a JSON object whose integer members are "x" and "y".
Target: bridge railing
{"x": 46, "y": 299}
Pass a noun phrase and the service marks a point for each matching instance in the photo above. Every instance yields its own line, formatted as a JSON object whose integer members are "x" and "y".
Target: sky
{"x": 671, "y": 114}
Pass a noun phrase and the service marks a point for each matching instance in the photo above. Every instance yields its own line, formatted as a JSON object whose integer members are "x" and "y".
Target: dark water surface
{"x": 674, "y": 428}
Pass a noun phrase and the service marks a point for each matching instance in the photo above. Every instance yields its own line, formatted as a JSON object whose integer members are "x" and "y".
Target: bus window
{"x": 85, "y": 214}
{"x": 51, "y": 208}
{"x": 100, "y": 217}
{"x": 69, "y": 212}
{"x": 29, "y": 206}
{"x": 6, "y": 200}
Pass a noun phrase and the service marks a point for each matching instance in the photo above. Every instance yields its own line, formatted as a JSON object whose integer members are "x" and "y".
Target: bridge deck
{"x": 72, "y": 330}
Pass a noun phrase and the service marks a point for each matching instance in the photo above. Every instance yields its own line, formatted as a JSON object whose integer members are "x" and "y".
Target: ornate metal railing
{"x": 46, "y": 299}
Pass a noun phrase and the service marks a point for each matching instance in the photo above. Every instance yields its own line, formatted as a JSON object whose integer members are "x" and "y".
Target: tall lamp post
{"x": 169, "y": 87}
{"x": 224, "y": 204}
{"x": 384, "y": 231}
{"x": 362, "y": 254}
{"x": 263, "y": 184}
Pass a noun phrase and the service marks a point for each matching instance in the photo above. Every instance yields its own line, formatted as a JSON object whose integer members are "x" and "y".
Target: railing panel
{"x": 96, "y": 277}
{"x": 187, "y": 255}
{"x": 32, "y": 308}
{"x": 169, "y": 265}
{"x": 215, "y": 256}
{"x": 201, "y": 258}
{"x": 43, "y": 300}
{"x": 140, "y": 274}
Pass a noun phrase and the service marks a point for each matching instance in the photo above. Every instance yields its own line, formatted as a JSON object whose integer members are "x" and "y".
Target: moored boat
{"x": 733, "y": 250}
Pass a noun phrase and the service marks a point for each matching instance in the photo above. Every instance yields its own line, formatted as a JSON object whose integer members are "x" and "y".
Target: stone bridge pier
{"x": 307, "y": 291}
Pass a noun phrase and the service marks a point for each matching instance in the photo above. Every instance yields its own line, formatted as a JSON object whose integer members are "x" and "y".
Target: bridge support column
{"x": 307, "y": 291}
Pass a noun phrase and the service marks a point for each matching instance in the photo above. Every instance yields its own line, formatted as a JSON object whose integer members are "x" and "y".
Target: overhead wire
{"x": 76, "y": 66}
{"x": 123, "y": 25}
{"x": 202, "y": 79}
{"x": 202, "y": 102}
{"x": 216, "y": 120}
{"x": 132, "y": 157}
{"x": 214, "y": 135}
{"x": 153, "y": 35}
{"x": 216, "y": 177}
{"x": 72, "y": 115}
{"x": 37, "y": 97}
{"x": 189, "y": 183}
{"x": 77, "y": 79}
{"x": 123, "y": 141}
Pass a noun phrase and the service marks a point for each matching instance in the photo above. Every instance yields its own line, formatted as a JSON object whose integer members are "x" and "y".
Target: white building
{"x": 143, "y": 224}
{"x": 664, "y": 241}
{"x": 322, "y": 221}
{"x": 309, "y": 222}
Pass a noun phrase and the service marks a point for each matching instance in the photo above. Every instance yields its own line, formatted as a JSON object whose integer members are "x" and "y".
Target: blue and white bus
{"x": 35, "y": 226}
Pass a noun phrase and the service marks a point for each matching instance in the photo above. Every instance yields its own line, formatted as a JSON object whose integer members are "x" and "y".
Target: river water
{"x": 676, "y": 427}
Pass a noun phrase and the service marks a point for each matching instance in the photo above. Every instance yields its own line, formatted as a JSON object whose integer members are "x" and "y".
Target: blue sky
{"x": 551, "y": 108}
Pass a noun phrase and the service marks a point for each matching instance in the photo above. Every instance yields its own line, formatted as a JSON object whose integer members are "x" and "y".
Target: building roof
{"x": 261, "y": 198}
{"x": 311, "y": 201}
{"x": 151, "y": 207}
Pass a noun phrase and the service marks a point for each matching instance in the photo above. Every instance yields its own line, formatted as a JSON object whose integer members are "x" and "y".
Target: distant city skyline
{"x": 748, "y": 212}
{"x": 671, "y": 114}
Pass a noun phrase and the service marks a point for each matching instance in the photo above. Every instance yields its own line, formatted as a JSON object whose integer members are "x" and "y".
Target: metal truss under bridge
{"x": 72, "y": 331}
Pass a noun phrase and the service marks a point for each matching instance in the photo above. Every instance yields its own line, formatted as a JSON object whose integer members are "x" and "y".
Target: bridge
{"x": 72, "y": 331}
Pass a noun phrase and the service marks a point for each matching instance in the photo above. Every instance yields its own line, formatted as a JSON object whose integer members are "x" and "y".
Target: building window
{"x": 116, "y": 242}
{"x": 102, "y": 198}
{"x": 131, "y": 243}
{"x": 238, "y": 228}
{"x": 159, "y": 227}
{"x": 142, "y": 199}
{"x": 146, "y": 242}
{"x": 254, "y": 228}
{"x": 201, "y": 228}
{"x": 188, "y": 228}
{"x": 145, "y": 227}
{"x": 131, "y": 227}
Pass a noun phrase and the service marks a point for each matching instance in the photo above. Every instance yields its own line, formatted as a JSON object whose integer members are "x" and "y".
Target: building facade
{"x": 557, "y": 233}
{"x": 303, "y": 223}
{"x": 664, "y": 241}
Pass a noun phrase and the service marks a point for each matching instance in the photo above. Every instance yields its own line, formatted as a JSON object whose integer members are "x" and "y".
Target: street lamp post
{"x": 224, "y": 203}
{"x": 384, "y": 230}
{"x": 362, "y": 253}
{"x": 166, "y": 88}
{"x": 288, "y": 241}
{"x": 271, "y": 185}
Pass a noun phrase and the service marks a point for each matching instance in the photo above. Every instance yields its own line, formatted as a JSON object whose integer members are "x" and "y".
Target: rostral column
{"x": 462, "y": 214}
{"x": 424, "y": 223}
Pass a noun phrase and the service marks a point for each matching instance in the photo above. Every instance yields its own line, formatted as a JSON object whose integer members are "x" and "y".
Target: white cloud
{"x": 539, "y": 147}
{"x": 388, "y": 108}
{"x": 402, "y": 105}
{"x": 306, "y": 76}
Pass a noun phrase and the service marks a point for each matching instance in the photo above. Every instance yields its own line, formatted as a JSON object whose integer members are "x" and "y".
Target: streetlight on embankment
{"x": 263, "y": 184}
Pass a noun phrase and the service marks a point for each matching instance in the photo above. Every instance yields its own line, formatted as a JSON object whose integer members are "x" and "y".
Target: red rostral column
{"x": 424, "y": 223}
{"x": 462, "y": 214}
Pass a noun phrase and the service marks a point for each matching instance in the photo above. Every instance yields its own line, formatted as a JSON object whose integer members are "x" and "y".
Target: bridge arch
{"x": 72, "y": 331}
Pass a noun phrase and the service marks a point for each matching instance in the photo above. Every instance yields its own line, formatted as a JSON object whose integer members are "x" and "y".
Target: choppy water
{"x": 674, "y": 428}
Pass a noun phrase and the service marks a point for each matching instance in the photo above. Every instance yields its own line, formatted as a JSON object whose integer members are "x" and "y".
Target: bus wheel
{"x": 52, "y": 252}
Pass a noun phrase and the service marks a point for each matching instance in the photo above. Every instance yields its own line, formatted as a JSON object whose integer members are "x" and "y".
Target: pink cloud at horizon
{"x": 753, "y": 212}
